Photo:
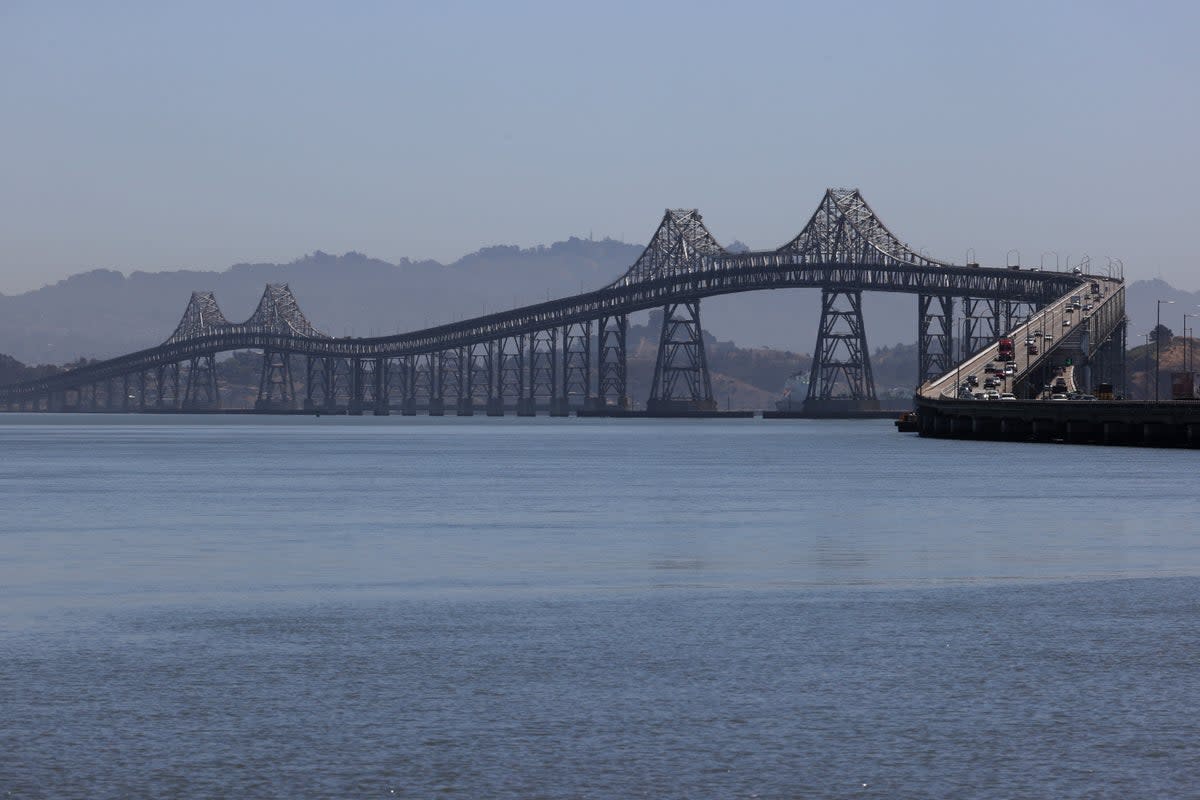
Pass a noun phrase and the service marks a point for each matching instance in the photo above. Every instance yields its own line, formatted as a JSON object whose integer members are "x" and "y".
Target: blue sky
{"x": 160, "y": 136}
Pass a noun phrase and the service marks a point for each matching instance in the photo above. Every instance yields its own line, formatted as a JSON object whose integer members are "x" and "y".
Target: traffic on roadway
{"x": 994, "y": 372}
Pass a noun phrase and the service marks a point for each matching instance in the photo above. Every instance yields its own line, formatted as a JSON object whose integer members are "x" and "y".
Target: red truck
{"x": 1006, "y": 349}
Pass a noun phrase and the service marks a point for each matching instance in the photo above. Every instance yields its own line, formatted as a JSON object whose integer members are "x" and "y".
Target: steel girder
{"x": 543, "y": 365}
{"x": 681, "y": 379}
{"x": 615, "y": 301}
{"x": 577, "y": 362}
{"x": 844, "y": 246}
{"x": 841, "y": 362}
{"x": 200, "y": 391}
{"x": 612, "y": 387}
{"x": 275, "y": 387}
{"x": 935, "y": 335}
{"x": 511, "y": 379}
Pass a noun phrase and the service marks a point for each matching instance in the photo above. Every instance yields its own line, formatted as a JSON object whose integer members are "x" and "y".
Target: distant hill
{"x": 102, "y": 313}
{"x": 1141, "y": 308}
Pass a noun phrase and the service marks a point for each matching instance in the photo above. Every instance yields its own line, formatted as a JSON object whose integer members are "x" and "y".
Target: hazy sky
{"x": 176, "y": 135}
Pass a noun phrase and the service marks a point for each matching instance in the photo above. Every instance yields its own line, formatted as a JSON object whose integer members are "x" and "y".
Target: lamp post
{"x": 1158, "y": 341}
{"x": 1146, "y": 363}
{"x": 1187, "y": 354}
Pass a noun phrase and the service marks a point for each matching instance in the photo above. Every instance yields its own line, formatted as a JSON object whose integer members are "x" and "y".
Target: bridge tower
{"x": 840, "y": 380}
{"x": 275, "y": 388}
{"x": 481, "y": 376}
{"x": 200, "y": 390}
{"x": 577, "y": 368}
{"x": 543, "y": 371}
{"x": 935, "y": 336}
{"x": 611, "y": 385}
{"x": 510, "y": 378}
{"x": 681, "y": 379}
{"x": 166, "y": 385}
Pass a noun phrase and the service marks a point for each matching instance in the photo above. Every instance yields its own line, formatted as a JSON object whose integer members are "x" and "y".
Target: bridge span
{"x": 570, "y": 353}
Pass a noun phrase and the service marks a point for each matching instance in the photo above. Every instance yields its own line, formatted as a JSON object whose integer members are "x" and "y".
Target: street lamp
{"x": 1158, "y": 341}
{"x": 1146, "y": 363}
{"x": 1187, "y": 356}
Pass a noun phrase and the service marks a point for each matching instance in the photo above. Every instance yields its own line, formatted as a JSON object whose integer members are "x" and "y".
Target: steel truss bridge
{"x": 571, "y": 353}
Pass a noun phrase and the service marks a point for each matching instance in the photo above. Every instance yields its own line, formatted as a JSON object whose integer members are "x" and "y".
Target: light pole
{"x": 1187, "y": 354}
{"x": 1158, "y": 340}
{"x": 1146, "y": 363}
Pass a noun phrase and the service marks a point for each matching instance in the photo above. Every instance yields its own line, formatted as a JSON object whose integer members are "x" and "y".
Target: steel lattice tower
{"x": 841, "y": 379}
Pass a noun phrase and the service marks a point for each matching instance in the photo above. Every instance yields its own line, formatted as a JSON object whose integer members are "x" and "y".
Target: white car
{"x": 1007, "y": 396}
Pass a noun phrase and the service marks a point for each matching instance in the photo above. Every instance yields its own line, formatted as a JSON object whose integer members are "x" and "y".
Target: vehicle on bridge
{"x": 1006, "y": 349}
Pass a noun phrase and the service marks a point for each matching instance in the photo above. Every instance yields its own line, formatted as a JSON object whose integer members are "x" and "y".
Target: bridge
{"x": 570, "y": 353}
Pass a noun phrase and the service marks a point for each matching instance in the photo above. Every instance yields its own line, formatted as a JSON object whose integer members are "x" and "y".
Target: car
{"x": 1066, "y": 322}
{"x": 990, "y": 383}
{"x": 1010, "y": 369}
{"x": 991, "y": 395}
{"x": 1029, "y": 340}
{"x": 1058, "y": 396}
{"x": 1087, "y": 397}
{"x": 979, "y": 396}
{"x": 1048, "y": 338}
{"x": 1007, "y": 396}
{"x": 972, "y": 380}
{"x": 990, "y": 368}
{"x": 1031, "y": 349}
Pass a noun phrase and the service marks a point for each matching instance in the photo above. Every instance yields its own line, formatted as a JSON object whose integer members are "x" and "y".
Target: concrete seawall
{"x": 1163, "y": 424}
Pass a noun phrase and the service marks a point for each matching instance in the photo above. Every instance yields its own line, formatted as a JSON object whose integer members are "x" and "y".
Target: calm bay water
{"x": 361, "y": 607}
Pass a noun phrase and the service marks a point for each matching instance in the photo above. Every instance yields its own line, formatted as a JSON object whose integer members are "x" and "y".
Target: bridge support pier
{"x": 840, "y": 381}
{"x": 935, "y": 336}
{"x": 1152, "y": 432}
{"x": 1045, "y": 429}
{"x": 1191, "y": 432}
{"x": 1114, "y": 432}
{"x": 612, "y": 333}
{"x": 200, "y": 390}
{"x": 526, "y": 407}
{"x": 275, "y": 389}
{"x": 1078, "y": 431}
{"x": 560, "y": 407}
{"x": 495, "y": 407}
{"x": 465, "y": 407}
{"x": 681, "y": 380}
{"x": 1014, "y": 428}
{"x": 437, "y": 407}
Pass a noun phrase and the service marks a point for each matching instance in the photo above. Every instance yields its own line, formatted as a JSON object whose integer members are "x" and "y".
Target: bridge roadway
{"x": 844, "y": 249}
{"x": 766, "y": 271}
{"x": 1087, "y": 334}
{"x": 1117, "y": 422}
